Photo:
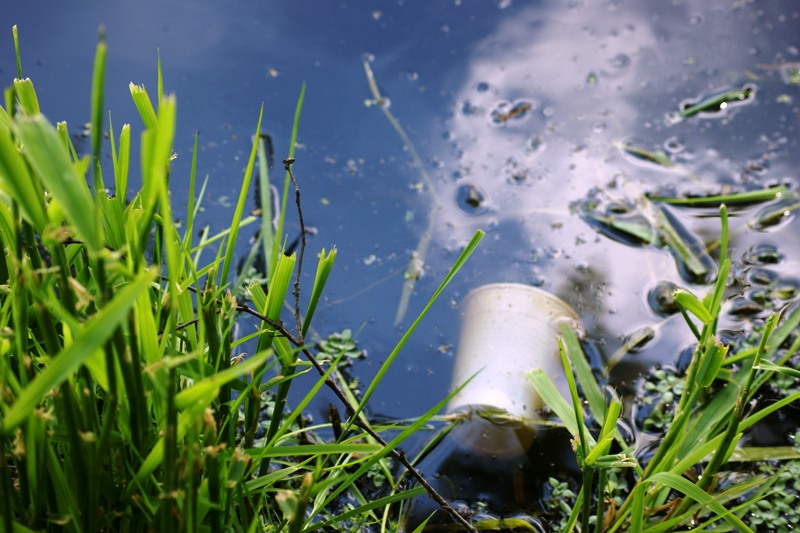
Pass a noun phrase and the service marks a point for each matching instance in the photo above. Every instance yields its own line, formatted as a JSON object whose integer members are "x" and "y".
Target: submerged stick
{"x": 418, "y": 256}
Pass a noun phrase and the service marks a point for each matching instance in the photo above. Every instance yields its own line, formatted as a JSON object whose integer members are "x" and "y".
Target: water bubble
{"x": 761, "y": 276}
{"x": 674, "y": 145}
{"x": 763, "y": 254}
{"x": 741, "y": 306}
{"x": 786, "y": 290}
{"x": 695, "y": 20}
{"x": 620, "y": 61}
{"x": 469, "y": 108}
{"x": 482, "y": 87}
{"x": 535, "y": 145}
{"x": 661, "y": 299}
{"x": 471, "y": 200}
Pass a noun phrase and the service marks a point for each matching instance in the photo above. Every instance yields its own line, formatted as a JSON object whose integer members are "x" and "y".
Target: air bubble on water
{"x": 695, "y": 20}
{"x": 469, "y": 108}
{"x": 548, "y": 112}
{"x": 482, "y": 86}
{"x": 620, "y": 61}
{"x": 471, "y": 200}
{"x": 537, "y": 279}
{"x": 535, "y": 145}
{"x": 674, "y": 145}
{"x": 599, "y": 127}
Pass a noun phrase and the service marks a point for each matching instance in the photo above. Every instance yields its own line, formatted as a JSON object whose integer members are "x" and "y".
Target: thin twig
{"x": 287, "y": 164}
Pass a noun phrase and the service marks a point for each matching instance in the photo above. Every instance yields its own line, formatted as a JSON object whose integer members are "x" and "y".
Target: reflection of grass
{"x": 417, "y": 261}
{"x": 713, "y": 412}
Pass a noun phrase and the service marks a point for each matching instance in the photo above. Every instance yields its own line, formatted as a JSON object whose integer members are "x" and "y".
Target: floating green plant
{"x": 742, "y": 198}
{"x": 657, "y": 157}
{"x": 718, "y": 103}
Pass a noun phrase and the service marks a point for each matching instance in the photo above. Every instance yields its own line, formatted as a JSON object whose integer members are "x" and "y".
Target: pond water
{"x": 525, "y": 115}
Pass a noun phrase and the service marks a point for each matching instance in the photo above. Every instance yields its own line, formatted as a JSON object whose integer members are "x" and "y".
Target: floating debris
{"x": 619, "y": 222}
{"x": 499, "y": 115}
{"x": 694, "y": 263}
{"x": 718, "y": 103}
{"x": 652, "y": 156}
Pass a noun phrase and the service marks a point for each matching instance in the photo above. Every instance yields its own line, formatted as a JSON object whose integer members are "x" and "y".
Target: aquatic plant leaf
{"x": 630, "y": 229}
{"x": 652, "y": 156}
{"x": 741, "y": 198}
{"x": 776, "y": 213}
{"x": 691, "y": 257}
{"x": 719, "y": 102}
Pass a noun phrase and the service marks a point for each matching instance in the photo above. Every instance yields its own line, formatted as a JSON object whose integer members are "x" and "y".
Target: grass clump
{"x": 127, "y": 401}
{"x": 692, "y": 475}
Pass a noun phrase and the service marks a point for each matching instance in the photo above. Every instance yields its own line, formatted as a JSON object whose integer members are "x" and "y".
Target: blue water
{"x": 584, "y": 77}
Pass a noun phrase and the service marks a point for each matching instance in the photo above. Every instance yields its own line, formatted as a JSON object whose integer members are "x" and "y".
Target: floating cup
{"x": 507, "y": 330}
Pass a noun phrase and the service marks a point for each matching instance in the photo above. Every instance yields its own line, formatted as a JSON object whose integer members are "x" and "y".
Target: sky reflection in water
{"x": 584, "y": 77}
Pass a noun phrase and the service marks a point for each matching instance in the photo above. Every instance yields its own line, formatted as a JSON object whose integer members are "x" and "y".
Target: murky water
{"x": 535, "y": 121}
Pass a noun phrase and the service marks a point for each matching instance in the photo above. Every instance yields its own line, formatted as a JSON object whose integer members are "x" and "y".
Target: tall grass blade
{"x": 28, "y": 101}
{"x": 50, "y": 161}
{"x": 462, "y": 258}
{"x": 96, "y": 332}
{"x": 238, "y": 212}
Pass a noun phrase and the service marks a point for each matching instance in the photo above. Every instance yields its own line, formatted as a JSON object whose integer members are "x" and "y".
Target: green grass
{"x": 711, "y": 416}
{"x": 121, "y": 406}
